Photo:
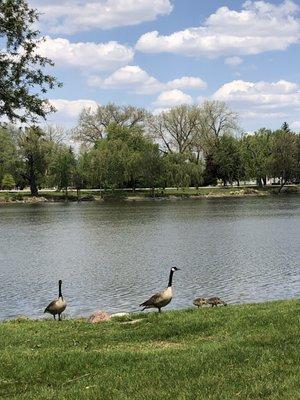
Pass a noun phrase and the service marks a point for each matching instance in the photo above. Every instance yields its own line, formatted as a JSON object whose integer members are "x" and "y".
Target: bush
{"x": 8, "y": 182}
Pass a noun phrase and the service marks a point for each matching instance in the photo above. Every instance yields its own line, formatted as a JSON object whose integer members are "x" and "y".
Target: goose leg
{"x": 54, "y": 316}
{"x": 59, "y": 317}
{"x": 159, "y": 310}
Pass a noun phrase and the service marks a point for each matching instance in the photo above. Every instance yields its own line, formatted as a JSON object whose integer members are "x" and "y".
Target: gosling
{"x": 215, "y": 301}
{"x": 199, "y": 302}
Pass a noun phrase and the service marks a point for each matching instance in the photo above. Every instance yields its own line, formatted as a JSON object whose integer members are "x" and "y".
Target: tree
{"x": 228, "y": 158}
{"x": 116, "y": 154}
{"x": 82, "y": 172}
{"x": 219, "y": 119}
{"x": 8, "y": 182}
{"x": 177, "y": 170}
{"x": 98, "y": 167}
{"x": 215, "y": 119}
{"x": 153, "y": 167}
{"x": 121, "y": 158}
{"x": 93, "y": 124}
{"x": 210, "y": 174}
{"x": 256, "y": 151}
{"x": 175, "y": 128}
{"x": 109, "y": 163}
{"x": 34, "y": 152}
{"x": 56, "y": 133}
{"x": 284, "y": 162}
{"x": 62, "y": 167}
{"x": 22, "y": 80}
{"x": 137, "y": 144}
{"x": 8, "y": 154}
{"x": 285, "y": 127}
{"x": 196, "y": 174}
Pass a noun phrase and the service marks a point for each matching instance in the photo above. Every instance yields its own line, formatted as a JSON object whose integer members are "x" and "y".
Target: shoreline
{"x": 129, "y": 316}
{"x": 7, "y": 198}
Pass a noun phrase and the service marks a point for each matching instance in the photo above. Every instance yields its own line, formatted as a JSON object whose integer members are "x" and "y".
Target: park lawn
{"x": 226, "y": 353}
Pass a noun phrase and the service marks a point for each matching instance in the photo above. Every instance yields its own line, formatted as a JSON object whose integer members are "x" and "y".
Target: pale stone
{"x": 99, "y": 316}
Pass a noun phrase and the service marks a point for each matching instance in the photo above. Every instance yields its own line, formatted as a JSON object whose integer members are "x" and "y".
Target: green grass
{"x": 235, "y": 352}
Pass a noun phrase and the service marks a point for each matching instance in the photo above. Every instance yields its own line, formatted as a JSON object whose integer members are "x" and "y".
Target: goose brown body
{"x": 163, "y": 298}
{"x": 57, "y": 306}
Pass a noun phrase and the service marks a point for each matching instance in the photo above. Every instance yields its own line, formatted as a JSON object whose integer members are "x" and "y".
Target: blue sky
{"x": 161, "y": 53}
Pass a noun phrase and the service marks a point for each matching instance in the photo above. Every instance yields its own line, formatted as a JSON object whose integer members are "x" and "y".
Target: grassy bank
{"x": 235, "y": 352}
{"x": 143, "y": 194}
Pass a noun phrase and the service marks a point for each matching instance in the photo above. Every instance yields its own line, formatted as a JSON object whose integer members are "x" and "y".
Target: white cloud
{"x": 233, "y": 61}
{"x": 258, "y": 27}
{"x": 134, "y": 78}
{"x": 265, "y": 94}
{"x": 129, "y": 77}
{"x": 171, "y": 98}
{"x": 86, "y": 55}
{"x": 272, "y": 102}
{"x": 296, "y": 126}
{"x": 70, "y": 16}
{"x": 69, "y": 110}
{"x": 187, "y": 82}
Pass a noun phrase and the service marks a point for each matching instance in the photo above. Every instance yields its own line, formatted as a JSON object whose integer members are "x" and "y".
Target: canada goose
{"x": 199, "y": 302}
{"x": 57, "y": 306}
{"x": 214, "y": 301}
{"x": 163, "y": 298}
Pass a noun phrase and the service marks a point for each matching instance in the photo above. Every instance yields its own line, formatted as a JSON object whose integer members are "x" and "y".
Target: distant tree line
{"x": 127, "y": 147}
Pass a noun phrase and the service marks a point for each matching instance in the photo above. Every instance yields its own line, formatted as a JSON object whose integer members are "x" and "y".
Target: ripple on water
{"x": 114, "y": 256}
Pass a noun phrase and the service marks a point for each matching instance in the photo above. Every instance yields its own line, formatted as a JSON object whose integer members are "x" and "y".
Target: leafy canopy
{"x": 23, "y": 82}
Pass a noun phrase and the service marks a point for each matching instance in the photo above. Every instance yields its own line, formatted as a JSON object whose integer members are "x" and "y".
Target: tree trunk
{"x": 265, "y": 180}
{"x": 259, "y": 182}
{"x": 33, "y": 188}
{"x": 281, "y": 186}
{"x": 152, "y": 191}
{"x": 77, "y": 193}
{"x": 32, "y": 179}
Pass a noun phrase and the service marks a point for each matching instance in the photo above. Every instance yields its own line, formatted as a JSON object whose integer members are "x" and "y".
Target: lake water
{"x": 114, "y": 256}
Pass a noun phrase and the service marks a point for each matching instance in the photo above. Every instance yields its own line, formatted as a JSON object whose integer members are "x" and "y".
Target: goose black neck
{"x": 59, "y": 290}
{"x": 170, "y": 278}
